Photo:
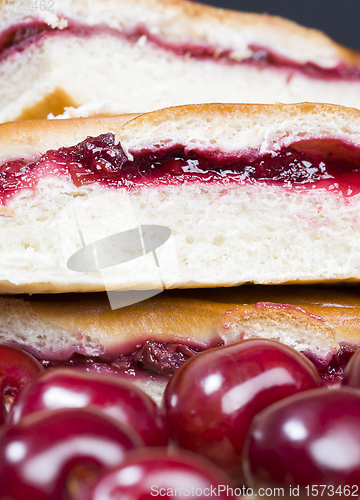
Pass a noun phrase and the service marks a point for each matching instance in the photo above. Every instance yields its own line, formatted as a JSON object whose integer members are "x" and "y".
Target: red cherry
{"x": 157, "y": 473}
{"x": 212, "y": 399}
{"x": 17, "y": 368}
{"x": 68, "y": 388}
{"x": 351, "y": 375}
{"x": 48, "y": 454}
{"x": 309, "y": 439}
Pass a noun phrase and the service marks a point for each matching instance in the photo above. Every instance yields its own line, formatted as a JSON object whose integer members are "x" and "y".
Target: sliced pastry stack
{"x": 124, "y": 240}
{"x": 191, "y": 197}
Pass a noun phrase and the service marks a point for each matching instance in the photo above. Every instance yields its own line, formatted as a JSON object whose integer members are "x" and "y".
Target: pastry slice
{"x": 119, "y": 56}
{"x": 148, "y": 341}
{"x": 186, "y": 197}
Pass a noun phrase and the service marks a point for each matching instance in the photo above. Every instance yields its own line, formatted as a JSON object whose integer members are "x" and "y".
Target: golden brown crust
{"x": 33, "y": 137}
{"x": 330, "y": 315}
{"x": 338, "y": 305}
{"x": 234, "y": 128}
{"x": 166, "y": 319}
{"x": 289, "y": 324}
{"x": 255, "y": 112}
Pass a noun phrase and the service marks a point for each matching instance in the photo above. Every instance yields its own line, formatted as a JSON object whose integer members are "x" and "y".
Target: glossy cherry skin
{"x": 309, "y": 439}
{"x": 156, "y": 473}
{"x": 67, "y": 388}
{"x": 40, "y": 453}
{"x": 212, "y": 399}
{"x": 351, "y": 375}
{"x": 17, "y": 368}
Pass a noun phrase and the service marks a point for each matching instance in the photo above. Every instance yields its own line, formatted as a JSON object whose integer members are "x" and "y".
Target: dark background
{"x": 340, "y": 19}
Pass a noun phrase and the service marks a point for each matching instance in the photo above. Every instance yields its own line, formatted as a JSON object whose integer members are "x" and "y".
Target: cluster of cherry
{"x": 253, "y": 413}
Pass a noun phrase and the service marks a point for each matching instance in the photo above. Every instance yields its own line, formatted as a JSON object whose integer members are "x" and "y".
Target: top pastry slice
{"x": 121, "y": 56}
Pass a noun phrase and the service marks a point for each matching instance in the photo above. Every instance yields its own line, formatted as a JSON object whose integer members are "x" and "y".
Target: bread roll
{"x": 147, "y": 342}
{"x": 208, "y": 195}
{"x": 121, "y": 56}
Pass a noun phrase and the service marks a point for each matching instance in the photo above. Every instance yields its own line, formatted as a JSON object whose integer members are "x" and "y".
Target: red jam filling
{"x": 18, "y": 37}
{"x": 332, "y": 373}
{"x": 322, "y": 164}
{"x": 164, "y": 359}
{"x": 157, "y": 357}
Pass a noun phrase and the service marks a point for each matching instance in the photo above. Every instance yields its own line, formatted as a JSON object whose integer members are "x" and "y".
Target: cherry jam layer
{"x": 19, "y": 37}
{"x": 303, "y": 166}
{"x": 162, "y": 358}
{"x": 332, "y": 374}
{"x": 165, "y": 359}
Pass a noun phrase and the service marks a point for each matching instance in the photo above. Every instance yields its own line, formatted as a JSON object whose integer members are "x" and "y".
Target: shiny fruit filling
{"x": 20, "y": 36}
{"x": 164, "y": 358}
{"x": 324, "y": 164}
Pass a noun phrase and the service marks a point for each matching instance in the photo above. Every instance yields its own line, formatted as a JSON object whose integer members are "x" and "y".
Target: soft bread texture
{"x": 222, "y": 234}
{"x": 114, "y": 74}
{"x": 313, "y": 320}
